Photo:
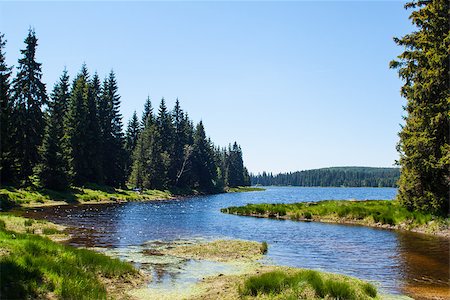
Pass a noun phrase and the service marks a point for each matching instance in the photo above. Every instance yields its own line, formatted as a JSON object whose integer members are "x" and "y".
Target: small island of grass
{"x": 375, "y": 213}
{"x": 241, "y": 189}
{"x": 220, "y": 250}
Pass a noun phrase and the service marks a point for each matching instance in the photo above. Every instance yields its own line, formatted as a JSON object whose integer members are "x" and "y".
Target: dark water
{"x": 396, "y": 262}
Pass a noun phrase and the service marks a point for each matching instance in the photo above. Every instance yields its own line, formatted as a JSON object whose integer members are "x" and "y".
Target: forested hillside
{"x": 338, "y": 176}
{"x": 74, "y": 136}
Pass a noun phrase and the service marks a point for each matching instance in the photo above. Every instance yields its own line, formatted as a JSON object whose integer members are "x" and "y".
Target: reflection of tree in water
{"x": 425, "y": 265}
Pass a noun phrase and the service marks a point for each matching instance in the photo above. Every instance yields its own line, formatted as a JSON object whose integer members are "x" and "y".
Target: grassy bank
{"x": 272, "y": 282}
{"x": 10, "y": 196}
{"x": 377, "y": 213}
{"x": 33, "y": 266}
{"x": 241, "y": 189}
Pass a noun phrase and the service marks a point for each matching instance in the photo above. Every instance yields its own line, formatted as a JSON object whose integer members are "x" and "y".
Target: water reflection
{"x": 396, "y": 262}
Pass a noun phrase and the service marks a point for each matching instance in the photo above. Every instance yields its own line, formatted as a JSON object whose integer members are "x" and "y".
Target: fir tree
{"x": 29, "y": 96}
{"x": 53, "y": 171}
{"x": 424, "y": 139}
{"x": 6, "y": 171}
{"x": 148, "y": 112}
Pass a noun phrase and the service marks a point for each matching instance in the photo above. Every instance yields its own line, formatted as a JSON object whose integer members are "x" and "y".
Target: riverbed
{"x": 396, "y": 262}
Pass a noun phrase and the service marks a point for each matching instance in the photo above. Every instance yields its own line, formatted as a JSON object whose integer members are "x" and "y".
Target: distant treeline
{"x": 75, "y": 136}
{"x": 339, "y": 176}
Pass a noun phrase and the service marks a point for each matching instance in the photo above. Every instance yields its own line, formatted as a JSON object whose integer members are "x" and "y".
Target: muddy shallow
{"x": 397, "y": 262}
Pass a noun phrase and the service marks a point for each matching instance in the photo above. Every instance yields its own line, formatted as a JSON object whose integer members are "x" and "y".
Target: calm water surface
{"x": 396, "y": 262}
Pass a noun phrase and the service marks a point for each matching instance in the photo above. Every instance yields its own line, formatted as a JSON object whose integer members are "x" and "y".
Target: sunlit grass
{"x": 10, "y": 196}
{"x": 306, "y": 284}
{"x": 364, "y": 212}
{"x": 241, "y": 189}
{"x": 32, "y": 266}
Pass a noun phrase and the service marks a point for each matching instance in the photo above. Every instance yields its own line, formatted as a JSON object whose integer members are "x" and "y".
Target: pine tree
{"x": 6, "y": 171}
{"x": 29, "y": 96}
{"x": 53, "y": 171}
{"x": 76, "y": 128}
{"x": 164, "y": 146}
{"x": 205, "y": 170}
{"x": 424, "y": 139}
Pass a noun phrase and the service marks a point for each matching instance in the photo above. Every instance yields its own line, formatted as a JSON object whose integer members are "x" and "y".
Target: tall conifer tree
{"x": 6, "y": 171}
{"x": 29, "y": 96}
{"x": 53, "y": 171}
{"x": 76, "y": 125}
{"x": 205, "y": 170}
{"x": 424, "y": 139}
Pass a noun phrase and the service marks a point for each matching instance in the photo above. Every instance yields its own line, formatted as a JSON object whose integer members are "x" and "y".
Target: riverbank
{"x": 93, "y": 194}
{"x": 33, "y": 265}
{"x": 374, "y": 213}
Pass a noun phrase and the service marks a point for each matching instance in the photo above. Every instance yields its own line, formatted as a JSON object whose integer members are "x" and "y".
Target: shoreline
{"x": 441, "y": 234}
{"x": 12, "y": 198}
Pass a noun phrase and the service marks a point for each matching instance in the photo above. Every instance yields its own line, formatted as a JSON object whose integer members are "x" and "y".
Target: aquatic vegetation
{"x": 369, "y": 212}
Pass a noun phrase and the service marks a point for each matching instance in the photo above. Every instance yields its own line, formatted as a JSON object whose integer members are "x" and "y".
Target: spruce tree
{"x": 235, "y": 166}
{"x": 131, "y": 139}
{"x": 164, "y": 145}
{"x": 53, "y": 171}
{"x": 6, "y": 171}
{"x": 205, "y": 170}
{"x": 76, "y": 126}
{"x": 424, "y": 139}
{"x": 29, "y": 96}
{"x": 113, "y": 139}
{"x": 148, "y": 112}
{"x": 93, "y": 132}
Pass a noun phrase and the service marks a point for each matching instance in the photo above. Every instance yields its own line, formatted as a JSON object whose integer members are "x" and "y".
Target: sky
{"x": 299, "y": 85}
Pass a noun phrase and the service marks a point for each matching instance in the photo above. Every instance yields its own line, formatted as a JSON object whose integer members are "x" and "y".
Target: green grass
{"x": 306, "y": 284}
{"x": 363, "y": 212}
{"x": 32, "y": 266}
{"x": 241, "y": 189}
{"x": 10, "y": 196}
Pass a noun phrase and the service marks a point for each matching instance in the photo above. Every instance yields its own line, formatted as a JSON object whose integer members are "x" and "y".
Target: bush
{"x": 264, "y": 247}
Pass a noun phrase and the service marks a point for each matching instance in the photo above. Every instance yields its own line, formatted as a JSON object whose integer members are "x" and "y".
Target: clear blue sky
{"x": 299, "y": 85}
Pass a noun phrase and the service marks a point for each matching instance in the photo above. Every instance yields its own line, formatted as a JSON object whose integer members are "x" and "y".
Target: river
{"x": 397, "y": 262}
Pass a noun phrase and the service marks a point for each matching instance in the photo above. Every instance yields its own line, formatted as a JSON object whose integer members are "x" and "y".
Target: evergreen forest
{"x": 337, "y": 177}
{"x": 74, "y": 136}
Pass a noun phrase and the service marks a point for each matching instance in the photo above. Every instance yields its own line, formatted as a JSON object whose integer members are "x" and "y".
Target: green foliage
{"x": 424, "y": 139}
{"x": 337, "y": 176}
{"x": 296, "y": 283}
{"x": 35, "y": 266}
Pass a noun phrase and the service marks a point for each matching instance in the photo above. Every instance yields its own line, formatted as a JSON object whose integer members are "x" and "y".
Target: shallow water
{"x": 397, "y": 262}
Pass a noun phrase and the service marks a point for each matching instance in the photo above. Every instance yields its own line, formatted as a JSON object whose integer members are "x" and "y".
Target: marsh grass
{"x": 36, "y": 266}
{"x": 364, "y": 212}
{"x": 301, "y": 284}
